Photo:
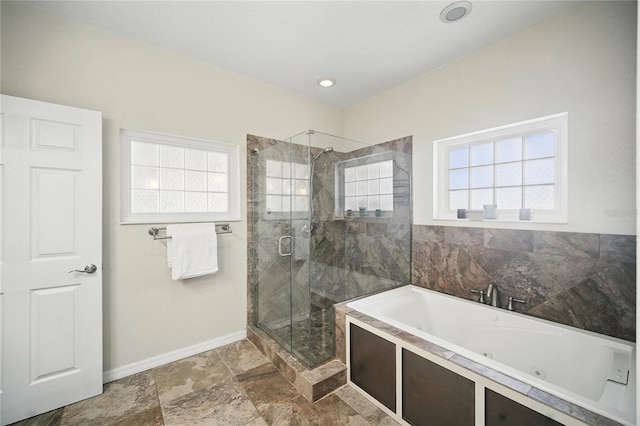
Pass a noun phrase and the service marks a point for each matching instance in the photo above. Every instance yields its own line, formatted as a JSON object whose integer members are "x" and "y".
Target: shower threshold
{"x": 313, "y": 383}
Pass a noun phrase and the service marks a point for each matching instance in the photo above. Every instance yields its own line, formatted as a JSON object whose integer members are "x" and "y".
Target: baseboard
{"x": 156, "y": 361}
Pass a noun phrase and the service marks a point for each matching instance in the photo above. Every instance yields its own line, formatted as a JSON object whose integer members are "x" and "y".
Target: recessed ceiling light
{"x": 326, "y": 82}
{"x": 455, "y": 12}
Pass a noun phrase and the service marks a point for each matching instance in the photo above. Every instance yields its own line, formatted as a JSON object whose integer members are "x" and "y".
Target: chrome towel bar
{"x": 222, "y": 228}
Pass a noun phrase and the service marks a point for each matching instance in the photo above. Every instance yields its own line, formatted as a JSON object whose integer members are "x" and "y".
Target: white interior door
{"x": 50, "y": 224}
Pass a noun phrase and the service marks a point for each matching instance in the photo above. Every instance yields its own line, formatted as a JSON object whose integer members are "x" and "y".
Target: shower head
{"x": 327, "y": 149}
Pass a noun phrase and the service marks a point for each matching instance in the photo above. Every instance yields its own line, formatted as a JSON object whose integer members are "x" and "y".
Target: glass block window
{"x": 287, "y": 186}
{"x": 369, "y": 186}
{"x": 521, "y": 166}
{"x": 173, "y": 179}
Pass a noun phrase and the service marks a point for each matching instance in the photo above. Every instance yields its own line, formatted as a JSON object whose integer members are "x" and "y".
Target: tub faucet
{"x": 481, "y": 299}
{"x": 509, "y": 306}
{"x": 492, "y": 294}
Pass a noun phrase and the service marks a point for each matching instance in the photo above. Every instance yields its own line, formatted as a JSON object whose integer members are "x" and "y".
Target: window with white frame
{"x": 369, "y": 186}
{"x": 287, "y": 186}
{"x": 167, "y": 178}
{"x": 519, "y": 166}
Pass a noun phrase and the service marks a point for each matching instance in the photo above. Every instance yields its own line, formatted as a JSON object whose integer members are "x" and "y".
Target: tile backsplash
{"x": 582, "y": 280}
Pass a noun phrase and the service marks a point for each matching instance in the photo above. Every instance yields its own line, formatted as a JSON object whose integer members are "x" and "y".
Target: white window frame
{"x": 557, "y": 123}
{"x": 233, "y": 152}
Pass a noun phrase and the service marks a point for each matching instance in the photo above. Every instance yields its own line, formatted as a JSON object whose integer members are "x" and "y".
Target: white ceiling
{"x": 366, "y": 46}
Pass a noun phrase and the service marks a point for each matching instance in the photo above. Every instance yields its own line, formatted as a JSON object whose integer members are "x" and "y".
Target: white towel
{"x": 192, "y": 250}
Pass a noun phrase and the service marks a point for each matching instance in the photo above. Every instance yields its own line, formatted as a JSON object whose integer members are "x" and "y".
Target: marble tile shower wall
{"x": 348, "y": 257}
{"x": 358, "y": 256}
{"x": 582, "y": 280}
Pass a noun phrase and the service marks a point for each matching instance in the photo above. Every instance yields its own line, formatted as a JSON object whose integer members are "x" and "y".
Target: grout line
{"x": 155, "y": 386}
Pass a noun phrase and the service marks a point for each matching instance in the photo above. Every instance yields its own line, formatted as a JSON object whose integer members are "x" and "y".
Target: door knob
{"x": 89, "y": 269}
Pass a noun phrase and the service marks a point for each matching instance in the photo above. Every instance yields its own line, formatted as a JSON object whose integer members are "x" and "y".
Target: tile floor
{"x": 232, "y": 385}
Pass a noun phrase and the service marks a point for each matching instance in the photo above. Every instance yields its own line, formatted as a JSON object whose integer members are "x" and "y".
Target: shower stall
{"x": 329, "y": 220}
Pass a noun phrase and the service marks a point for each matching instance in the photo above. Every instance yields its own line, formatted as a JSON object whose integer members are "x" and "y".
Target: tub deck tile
{"x": 491, "y": 374}
{"x": 425, "y": 345}
{"x": 373, "y": 322}
{"x": 576, "y": 411}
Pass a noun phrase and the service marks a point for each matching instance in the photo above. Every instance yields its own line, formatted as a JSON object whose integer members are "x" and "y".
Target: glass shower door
{"x": 281, "y": 236}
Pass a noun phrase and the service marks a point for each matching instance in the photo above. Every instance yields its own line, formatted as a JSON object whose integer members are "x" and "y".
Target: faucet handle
{"x": 481, "y": 299}
{"x": 509, "y": 306}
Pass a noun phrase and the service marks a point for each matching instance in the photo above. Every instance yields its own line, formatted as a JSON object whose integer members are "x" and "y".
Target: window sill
{"x": 368, "y": 218}
{"x": 543, "y": 220}
{"x": 155, "y": 219}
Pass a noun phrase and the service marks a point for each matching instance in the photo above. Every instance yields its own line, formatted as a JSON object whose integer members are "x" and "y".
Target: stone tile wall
{"x": 347, "y": 256}
{"x": 355, "y": 256}
{"x": 583, "y": 280}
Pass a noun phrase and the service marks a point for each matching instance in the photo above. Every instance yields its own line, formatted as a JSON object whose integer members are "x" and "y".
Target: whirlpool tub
{"x": 572, "y": 368}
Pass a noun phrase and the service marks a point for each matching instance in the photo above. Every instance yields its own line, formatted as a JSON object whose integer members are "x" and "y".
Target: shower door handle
{"x": 280, "y": 245}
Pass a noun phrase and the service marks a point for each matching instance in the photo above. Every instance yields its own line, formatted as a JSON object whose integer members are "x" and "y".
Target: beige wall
{"x": 138, "y": 86}
{"x": 582, "y": 61}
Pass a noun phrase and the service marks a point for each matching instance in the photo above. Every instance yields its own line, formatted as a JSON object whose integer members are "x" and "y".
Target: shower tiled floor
{"x": 312, "y": 339}
{"x": 231, "y": 385}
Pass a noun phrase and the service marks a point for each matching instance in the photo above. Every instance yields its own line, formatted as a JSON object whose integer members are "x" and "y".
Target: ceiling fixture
{"x": 455, "y": 12}
{"x": 326, "y": 82}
